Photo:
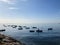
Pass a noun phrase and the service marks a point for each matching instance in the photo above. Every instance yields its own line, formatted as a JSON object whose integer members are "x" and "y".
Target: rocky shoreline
{"x": 6, "y": 40}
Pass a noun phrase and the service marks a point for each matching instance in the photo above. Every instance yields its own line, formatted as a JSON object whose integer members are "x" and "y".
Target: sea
{"x": 47, "y": 37}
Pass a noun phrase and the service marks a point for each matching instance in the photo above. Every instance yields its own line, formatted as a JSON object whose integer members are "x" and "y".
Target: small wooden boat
{"x": 39, "y": 30}
{"x": 32, "y": 31}
{"x": 20, "y": 28}
{"x": 24, "y": 26}
{"x": 50, "y": 28}
{"x": 27, "y": 28}
{"x": 34, "y": 27}
{"x": 2, "y": 30}
{"x": 14, "y": 26}
{"x": 4, "y": 25}
{"x": 8, "y": 25}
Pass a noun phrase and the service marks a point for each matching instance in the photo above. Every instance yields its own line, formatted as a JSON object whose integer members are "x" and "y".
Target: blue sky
{"x": 29, "y": 11}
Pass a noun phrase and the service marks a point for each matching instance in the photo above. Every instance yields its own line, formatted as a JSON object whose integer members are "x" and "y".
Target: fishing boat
{"x": 2, "y": 30}
{"x": 39, "y": 30}
{"x": 32, "y": 31}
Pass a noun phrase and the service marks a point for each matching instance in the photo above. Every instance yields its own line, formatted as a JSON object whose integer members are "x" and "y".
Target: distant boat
{"x": 2, "y": 30}
{"x": 8, "y": 25}
{"x": 14, "y": 26}
{"x": 50, "y": 28}
{"x": 34, "y": 27}
{"x": 24, "y": 26}
{"x": 32, "y": 31}
{"x": 39, "y": 30}
{"x": 4, "y": 25}
{"x": 20, "y": 28}
{"x": 27, "y": 27}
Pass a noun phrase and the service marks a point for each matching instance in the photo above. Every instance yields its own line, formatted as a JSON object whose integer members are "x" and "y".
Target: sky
{"x": 29, "y": 11}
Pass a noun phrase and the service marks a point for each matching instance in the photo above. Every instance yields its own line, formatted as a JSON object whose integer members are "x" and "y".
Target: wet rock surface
{"x": 5, "y": 40}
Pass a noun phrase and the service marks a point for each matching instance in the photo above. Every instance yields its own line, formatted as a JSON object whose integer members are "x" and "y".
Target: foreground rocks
{"x": 5, "y": 40}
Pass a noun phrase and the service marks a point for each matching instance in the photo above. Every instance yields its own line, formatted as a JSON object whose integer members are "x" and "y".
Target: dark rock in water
{"x": 39, "y": 30}
{"x": 50, "y": 28}
{"x": 2, "y": 30}
{"x": 32, "y": 31}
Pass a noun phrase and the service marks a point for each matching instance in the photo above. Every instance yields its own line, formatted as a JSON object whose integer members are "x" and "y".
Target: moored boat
{"x": 39, "y": 30}
{"x": 32, "y": 31}
{"x": 2, "y": 29}
{"x": 50, "y": 28}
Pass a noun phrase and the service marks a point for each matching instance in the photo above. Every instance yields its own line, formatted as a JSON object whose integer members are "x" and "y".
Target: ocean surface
{"x": 46, "y": 37}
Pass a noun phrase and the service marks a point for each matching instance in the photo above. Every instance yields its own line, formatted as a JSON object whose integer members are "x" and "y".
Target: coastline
{"x": 6, "y": 40}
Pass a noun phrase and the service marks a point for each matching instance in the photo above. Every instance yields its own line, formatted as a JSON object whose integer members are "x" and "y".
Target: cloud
{"x": 12, "y": 1}
{"x": 12, "y": 8}
{"x": 9, "y": 1}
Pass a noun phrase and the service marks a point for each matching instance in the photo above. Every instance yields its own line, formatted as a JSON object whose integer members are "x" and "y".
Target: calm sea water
{"x": 32, "y": 38}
